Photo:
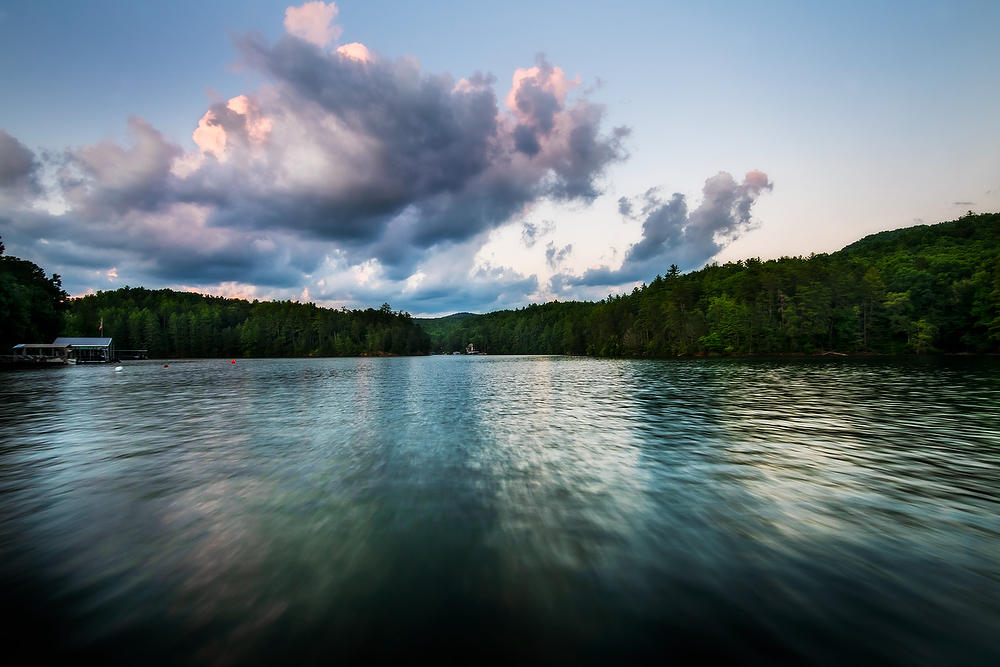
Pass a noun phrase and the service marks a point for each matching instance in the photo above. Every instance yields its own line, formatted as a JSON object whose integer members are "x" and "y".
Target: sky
{"x": 456, "y": 156}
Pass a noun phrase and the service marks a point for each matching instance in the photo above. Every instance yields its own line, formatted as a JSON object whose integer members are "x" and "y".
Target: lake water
{"x": 521, "y": 508}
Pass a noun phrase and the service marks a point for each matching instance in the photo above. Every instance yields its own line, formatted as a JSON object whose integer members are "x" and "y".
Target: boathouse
{"x": 89, "y": 350}
{"x": 40, "y": 353}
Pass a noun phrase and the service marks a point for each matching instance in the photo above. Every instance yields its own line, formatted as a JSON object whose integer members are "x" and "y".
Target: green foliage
{"x": 31, "y": 305}
{"x": 932, "y": 288}
{"x": 926, "y": 289}
{"x": 181, "y": 324}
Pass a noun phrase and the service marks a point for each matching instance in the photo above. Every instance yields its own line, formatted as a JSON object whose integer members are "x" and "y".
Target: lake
{"x": 527, "y": 509}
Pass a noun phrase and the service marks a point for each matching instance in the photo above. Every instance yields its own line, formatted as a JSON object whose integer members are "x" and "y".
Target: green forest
{"x": 32, "y": 307}
{"x": 169, "y": 324}
{"x": 173, "y": 324}
{"x": 919, "y": 290}
{"x": 925, "y": 289}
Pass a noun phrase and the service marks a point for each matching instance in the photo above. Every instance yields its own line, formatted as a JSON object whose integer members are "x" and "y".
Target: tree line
{"x": 924, "y": 289}
{"x": 32, "y": 306}
{"x": 168, "y": 324}
{"x": 173, "y": 324}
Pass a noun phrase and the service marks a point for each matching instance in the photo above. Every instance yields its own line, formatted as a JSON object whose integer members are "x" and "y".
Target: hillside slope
{"x": 183, "y": 324}
{"x": 930, "y": 288}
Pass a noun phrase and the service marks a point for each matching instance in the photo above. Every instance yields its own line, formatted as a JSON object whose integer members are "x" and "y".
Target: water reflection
{"x": 538, "y": 507}
{"x": 848, "y": 485}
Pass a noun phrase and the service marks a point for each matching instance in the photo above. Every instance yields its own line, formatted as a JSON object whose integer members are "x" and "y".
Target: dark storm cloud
{"x": 155, "y": 248}
{"x": 423, "y": 138}
{"x": 537, "y": 105}
{"x": 587, "y": 155}
{"x": 18, "y": 165}
{"x": 537, "y": 102}
{"x": 525, "y": 140}
{"x": 663, "y": 229}
{"x": 238, "y": 258}
{"x": 672, "y": 235}
{"x": 439, "y": 150}
{"x": 106, "y": 179}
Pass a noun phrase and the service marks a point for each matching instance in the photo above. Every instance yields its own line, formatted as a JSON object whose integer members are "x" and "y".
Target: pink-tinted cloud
{"x": 544, "y": 77}
{"x": 258, "y": 126}
{"x": 391, "y": 160}
{"x": 313, "y": 22}
{"x": 245, "y": 124}
{"x": 210, "y": 136}
{"x": 344, "y": 154}
{"x": 227, "y": 289}
{"x": 551, "y": 131}
{"x": 357, "y": 51}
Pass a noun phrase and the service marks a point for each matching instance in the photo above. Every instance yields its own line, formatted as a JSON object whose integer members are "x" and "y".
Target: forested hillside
{"x": 31, "y": 305}
{"x": 182, "y": 324}
{"x": 932, "y": 288}
{"x": 926, "y": 289}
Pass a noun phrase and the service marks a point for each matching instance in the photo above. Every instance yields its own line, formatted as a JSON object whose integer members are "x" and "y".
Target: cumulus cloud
{"x": 341, "y": 154}
{"x": 672, "y": 235}
{"x": 313, "y": 22}
{"x": 237, "y": 120}
{"x": 450, "y": 279}
{"x": 484, "y": 289}
{"x": 404, "y": 160}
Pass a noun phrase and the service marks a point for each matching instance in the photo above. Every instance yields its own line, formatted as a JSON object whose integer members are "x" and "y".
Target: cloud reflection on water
{"x": 544, "y": 506}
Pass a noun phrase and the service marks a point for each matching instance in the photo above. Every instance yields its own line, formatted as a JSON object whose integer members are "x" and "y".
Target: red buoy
{"x": 234, "y": 361}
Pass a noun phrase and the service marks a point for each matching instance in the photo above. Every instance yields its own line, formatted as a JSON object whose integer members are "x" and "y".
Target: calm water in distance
{"x": 523, "y": 508}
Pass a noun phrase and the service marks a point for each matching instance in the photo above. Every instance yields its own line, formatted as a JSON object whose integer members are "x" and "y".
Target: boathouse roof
{"x": 83, "y": 342}
{"x": 40, "y": 346}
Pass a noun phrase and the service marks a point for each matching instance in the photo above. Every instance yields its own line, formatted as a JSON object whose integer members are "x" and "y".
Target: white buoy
{"x": 119, "y": 369}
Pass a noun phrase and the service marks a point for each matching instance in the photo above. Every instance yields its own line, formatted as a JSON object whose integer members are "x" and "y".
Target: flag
{"x": 100, "y": 328}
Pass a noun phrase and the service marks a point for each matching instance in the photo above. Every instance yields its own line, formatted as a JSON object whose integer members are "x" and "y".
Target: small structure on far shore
{"x": 89, "y": 350}
{"x": 471, "y": 349}
{"x": 41, "y": 353}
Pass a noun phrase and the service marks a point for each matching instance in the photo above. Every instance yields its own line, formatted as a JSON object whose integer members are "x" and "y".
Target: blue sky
{"x": 398, "y": 175}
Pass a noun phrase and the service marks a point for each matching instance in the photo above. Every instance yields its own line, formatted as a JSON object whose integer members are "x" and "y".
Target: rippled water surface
{"x": 527, "y": 508}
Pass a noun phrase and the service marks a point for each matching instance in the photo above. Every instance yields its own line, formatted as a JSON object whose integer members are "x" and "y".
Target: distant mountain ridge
{"x": 446, "y": 317}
